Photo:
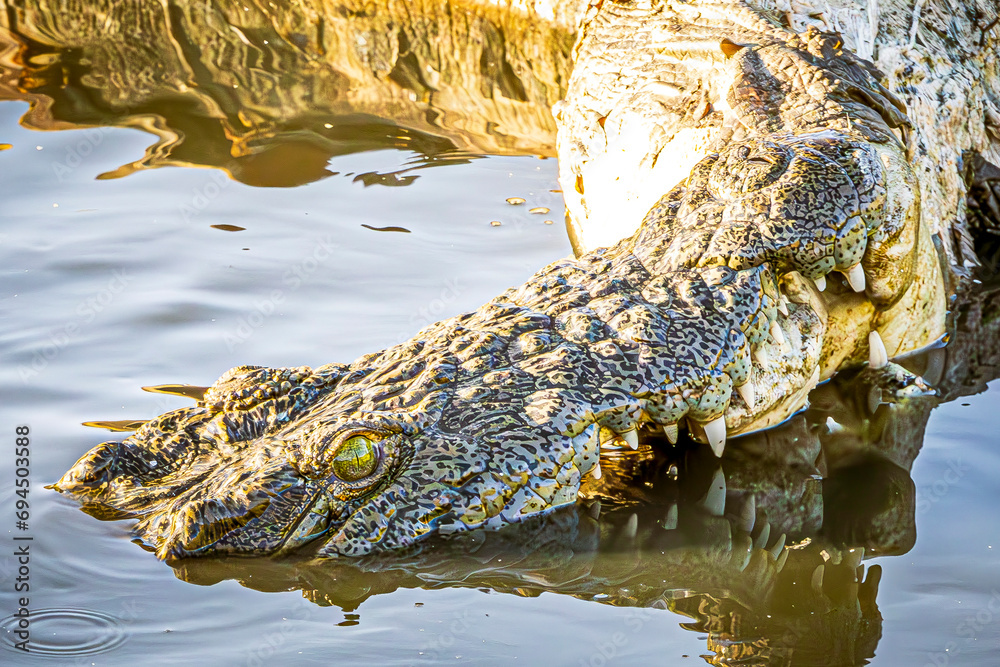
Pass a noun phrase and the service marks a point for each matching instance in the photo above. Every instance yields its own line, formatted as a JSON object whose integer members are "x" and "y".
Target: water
{"x": 114, "y": 283}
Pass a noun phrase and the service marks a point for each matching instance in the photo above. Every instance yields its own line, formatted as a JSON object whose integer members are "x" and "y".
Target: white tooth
{"x": 833, "y": 427}
{"x": 820, "y": 283}
{"x": 778, "y": 547}
{"x": 596, "y": 470}
{"x": 776, "y": 334}
{"x": 715, "y": 499}
{"x": 715, "y": 431}
{"x": 747, "y": 392}
{"x": 631, "y": 438}
{"x": 780, "y": 565}
{"x": 782, "y": 307}
{"x": 670, "y": 521}
{"x": 670, "y": 430}
{"x": 748, "y": 515}
{"x": 763, "y": 536}
{"x": 817, "y": 578}
{"x": 878, "y": 357}
{"x": 856, "y": 277}
{"x": 631, "y": 527}
{"x": 760, "y": 354}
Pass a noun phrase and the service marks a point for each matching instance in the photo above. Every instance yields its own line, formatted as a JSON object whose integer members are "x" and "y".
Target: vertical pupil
{"x": 356, "y": 459}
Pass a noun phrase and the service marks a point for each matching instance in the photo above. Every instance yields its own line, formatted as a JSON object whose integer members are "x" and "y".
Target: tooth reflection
{"x": 714, "y": 501}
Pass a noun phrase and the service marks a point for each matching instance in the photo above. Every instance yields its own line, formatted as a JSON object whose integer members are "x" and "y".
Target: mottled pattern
{"x": 495, "y": 415}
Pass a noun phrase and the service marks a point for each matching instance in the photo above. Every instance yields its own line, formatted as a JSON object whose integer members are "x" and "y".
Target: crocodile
{"x": 792, "y": 249}
{"x": 678, "y": 529}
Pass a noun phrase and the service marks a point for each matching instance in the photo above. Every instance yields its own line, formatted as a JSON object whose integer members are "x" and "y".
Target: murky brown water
{"x": 316, "y": 134}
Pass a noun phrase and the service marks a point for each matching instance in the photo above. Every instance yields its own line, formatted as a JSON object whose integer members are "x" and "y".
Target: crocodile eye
{"x": 356, "y": 459}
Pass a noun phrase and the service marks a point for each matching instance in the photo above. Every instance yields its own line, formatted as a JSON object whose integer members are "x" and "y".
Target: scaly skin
{"x": 493, "y": 416}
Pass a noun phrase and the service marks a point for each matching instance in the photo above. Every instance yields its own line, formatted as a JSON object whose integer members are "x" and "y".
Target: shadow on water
{"x": 762, "y": 550}
{"x": 270, "y": 94}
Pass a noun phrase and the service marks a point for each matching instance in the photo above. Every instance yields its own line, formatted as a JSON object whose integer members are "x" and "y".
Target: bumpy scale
{"x": 495, "y": 415}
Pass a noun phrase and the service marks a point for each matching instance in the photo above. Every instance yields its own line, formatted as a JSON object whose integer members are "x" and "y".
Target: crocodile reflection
{"x": 762, "y": 550}
{"x": 270, "y": 94}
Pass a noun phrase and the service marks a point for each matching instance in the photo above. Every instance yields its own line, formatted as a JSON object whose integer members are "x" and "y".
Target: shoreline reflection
{"x": 271, "y": 94}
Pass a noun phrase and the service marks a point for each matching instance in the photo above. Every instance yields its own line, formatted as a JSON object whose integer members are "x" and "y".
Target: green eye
{"x": 356, "y": 459}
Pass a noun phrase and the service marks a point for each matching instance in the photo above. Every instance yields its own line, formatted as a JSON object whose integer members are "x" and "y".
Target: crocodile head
{"x": 496, "y": 415}
{"x": 712, "y": 316}
{"x": 372, "y": 456}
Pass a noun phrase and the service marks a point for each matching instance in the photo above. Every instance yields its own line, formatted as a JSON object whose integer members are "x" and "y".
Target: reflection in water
{"x": 270, "y": 94}
{"x": 763, "y": 554}
{"x": 762, "y": 551}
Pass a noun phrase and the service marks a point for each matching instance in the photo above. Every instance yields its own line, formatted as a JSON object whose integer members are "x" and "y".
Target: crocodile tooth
{"x": 747, "y": 392}
{"x": 820, "y": 283}
{"x": 817, "y": 578}
{"x": 878, "y": 357}
{"x": 778, "y": 547}
{"x": 631, "y": 527}
{"x": 874, "y": 399}
{"x": 761, "y": 355}
{"x": 820, "y": 463}
{"x": 856, "y": 277}
{"x": 670, "y": 521}
{"x": 743, "y": 550}
{"x": 833, "y": 427}
{"x": 763, "y": 536}
{"x": 595, "y": 510}
{"x": 670, "y": 430}
{"x": 715, "y": 431}
{"x": 782, "y": 306}
{"x": 631, "y": 439}
{"x": 777, "y": 334}
{"x": 714, "y": 501}
{"x": 748, "y": 514}
{"x": 596, "y": 470}
{"x": 936, "y": 361}
{"x": 782, "y": 559}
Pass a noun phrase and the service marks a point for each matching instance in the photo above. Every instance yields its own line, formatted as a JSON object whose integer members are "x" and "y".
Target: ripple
{"x": 67, "y": 632}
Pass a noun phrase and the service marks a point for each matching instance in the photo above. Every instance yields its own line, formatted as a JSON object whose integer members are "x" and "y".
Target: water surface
{"x": 146, "y": 240}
